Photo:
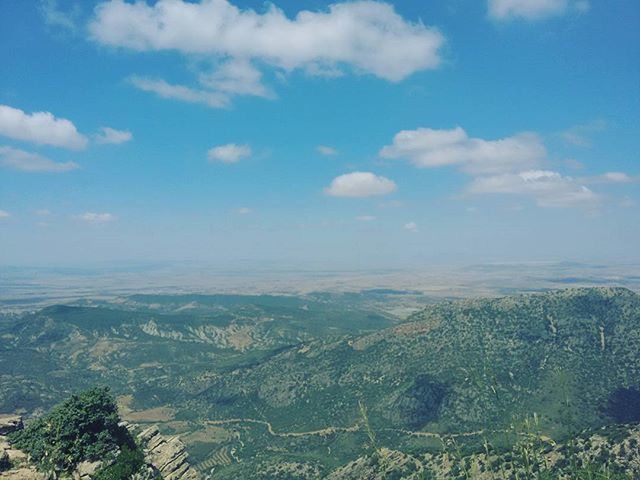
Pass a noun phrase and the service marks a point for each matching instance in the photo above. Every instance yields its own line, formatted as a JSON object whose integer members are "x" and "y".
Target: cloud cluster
{"x": 229, "y": 153}
{"x": 426, "y": 147}
{"x": 533, "y": 9}
{"x": 4, "y": 214}
{"x": 17, "y": 159}
{"x": 359, "y": 36}
{"x": 509, "y": 165}
{"x": 41, "y": 128}
{"x": 547, "y": 188}
{"x": 360, "y": 184}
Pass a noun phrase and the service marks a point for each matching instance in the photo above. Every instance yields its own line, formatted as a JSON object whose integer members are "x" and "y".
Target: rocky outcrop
{"x": 23, "y": 473}
{"x": 14, "y": 463}
{"x": 167, "y": 454}
{"x": 10, "y": 423}
{"x": 165, "y": 457}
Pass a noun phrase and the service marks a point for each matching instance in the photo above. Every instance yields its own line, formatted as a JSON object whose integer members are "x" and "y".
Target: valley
{"x": 310, "y": 383}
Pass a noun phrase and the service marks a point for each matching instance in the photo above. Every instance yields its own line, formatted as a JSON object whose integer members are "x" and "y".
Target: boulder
{"x": 10, "y": 423}
{"x": 85, "y": 470}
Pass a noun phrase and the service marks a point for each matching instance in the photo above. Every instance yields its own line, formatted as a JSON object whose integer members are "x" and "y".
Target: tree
{"x": 84, "y": 427}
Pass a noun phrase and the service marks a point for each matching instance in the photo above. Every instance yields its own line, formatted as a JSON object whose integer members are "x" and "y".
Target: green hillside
{"x": 299, "y": 387}
{"x": 456, "y": 367}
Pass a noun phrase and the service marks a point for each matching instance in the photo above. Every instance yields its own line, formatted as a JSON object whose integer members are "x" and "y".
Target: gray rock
{"x": 167, "y": 455}
{"x": 10, "y": 423}
{"x": 85, "y": 470}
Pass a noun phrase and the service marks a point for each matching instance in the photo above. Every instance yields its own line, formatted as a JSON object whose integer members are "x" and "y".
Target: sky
{"x": 310, "y": 134}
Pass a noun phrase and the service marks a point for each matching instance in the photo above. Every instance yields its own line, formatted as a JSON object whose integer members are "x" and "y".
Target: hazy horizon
{"x": 422, "y": 133}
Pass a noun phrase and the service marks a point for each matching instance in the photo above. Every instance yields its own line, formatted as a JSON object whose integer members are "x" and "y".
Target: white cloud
{"x": 579, "y": 135}
{"x": 4, "y": 214}
{"x": 180, "y": 92}
{"x": 361, "y": 37}
{"x": 614, "y": 177}
{"x": 426, "y": 147}
{"x": 217, "y": 88}
{"x": 533, "y": 9}
{"x": 365, "y": 218}
{"x": 236, "y": 77}
{"x": 547, "y": 188}
{"x": 43, "y": 212}
{"x": 17, "y": 159}
{"x": 109, "y": 135}
{"x": 95, "y": 218}
{"x": 40, "y": 127}
{"x": 55, "y": 17}
{"x": 360, "y": 184}
{"x": 243, "y": 211}
{"x": 229, "y": 153}
{"x": 365, "y": 35}
{"x": 326, "y": 150}
{"x": 411, "y": 226}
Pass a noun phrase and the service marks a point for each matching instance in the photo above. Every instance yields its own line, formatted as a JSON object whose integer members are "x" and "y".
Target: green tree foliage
{"x": 5, "y": 464}
{"x": 84, "y": 427}
{"x": 128, "y": 463}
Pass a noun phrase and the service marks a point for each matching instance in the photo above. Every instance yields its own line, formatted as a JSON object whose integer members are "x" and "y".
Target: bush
{"x": 5, "y": 464}
{"x": 84, "y": 427}
{"x": 128, "y": 463}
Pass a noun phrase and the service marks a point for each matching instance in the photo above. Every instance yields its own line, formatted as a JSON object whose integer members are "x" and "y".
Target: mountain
{"x": 305, "y": 387}
{"x": 469, "y": 368}
{"x": 161, "y": 346}
{"x": 455, "y": 367}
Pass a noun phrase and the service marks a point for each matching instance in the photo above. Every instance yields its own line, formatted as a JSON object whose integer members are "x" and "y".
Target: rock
{"x": 10, "y": 423}
{"x": 146, "y": 473}
{"x": 167, "y": 455}
{"x": 85, "y": 470}
{"x": 23, "y": 474}
{"x": 17, "y": 456}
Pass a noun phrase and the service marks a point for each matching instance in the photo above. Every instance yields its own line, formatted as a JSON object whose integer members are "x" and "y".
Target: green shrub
{"x": 84, "y": 427}
{"x": 5, "y": 464}
{"x": 126, "y": 464}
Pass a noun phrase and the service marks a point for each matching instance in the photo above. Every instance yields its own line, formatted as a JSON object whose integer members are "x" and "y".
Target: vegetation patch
{"x": 421, "y": 402}
{"x": 82, "y": 428}
{"x": 624, "y": 405}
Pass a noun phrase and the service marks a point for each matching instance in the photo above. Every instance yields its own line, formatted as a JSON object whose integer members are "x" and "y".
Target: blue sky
{"x": 318, "y": 135}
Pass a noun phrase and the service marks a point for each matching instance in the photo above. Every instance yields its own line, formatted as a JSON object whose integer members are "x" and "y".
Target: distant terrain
{"x": 349, "y": 385}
